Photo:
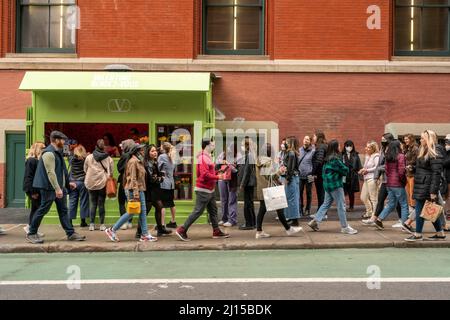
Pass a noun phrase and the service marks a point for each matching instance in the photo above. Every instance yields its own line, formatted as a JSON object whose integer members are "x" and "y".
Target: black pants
{"x": 262, "y": 212}
{"x": 351, "y": 195}
{"x": 35, "y": 203}
{"x": 382, "y": 195}
{"x": 304, "y": 184}
{"x": 158, "y": 214}
{"x": 97, "y": 198}
{"x": 249, "y": 207}
{"x": 320, "y": 191}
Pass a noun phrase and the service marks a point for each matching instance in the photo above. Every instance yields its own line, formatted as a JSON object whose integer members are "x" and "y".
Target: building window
{"x": 46, "y": 26}
{"x": 233, "y": 26}
{"x": 422, "y": 27}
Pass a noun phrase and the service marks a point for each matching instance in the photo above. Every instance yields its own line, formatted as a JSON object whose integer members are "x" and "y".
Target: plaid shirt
{"x": 333, "y": 172}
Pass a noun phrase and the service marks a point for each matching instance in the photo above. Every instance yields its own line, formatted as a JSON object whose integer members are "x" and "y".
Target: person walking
{"x": 166, "y": 165}
{"x": 153, "y": 179}
{"x": 268, "y": 173}
{"x": 135, "y": 187}
{"x": 351, "y": 159}
{"x": 395, "y": 182}
{"x": 320, "y": 144}
{"x": 369, "y": 193}
{"x": 126, "y": 146}
{"x": 291, "y": 174}
{"x": 34, "y": 154}
{"x": 333, "y": 173}
{"x": 305, "y": 168}
{"x": 227, "y": 164}
{"x": 98, "y": 167}
{"x": 52, "y": 181}
{"x": 427, "y": 179}
{"x": 205, "y": 194}
{"x": 411, "y": 153}
{"x": 247, "y": 183}
{"x": 79, "y": 194}
{"x": 446, "y": 166}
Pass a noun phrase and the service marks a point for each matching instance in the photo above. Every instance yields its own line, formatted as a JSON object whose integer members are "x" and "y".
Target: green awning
{"x": 127, "y": 81}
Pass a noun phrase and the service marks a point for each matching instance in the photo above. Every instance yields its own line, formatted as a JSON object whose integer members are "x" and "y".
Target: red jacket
{"x": 206, "y": 174}
{"x": 396, "y": 172}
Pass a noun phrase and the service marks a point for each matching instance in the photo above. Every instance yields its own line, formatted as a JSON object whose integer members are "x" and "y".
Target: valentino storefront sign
{"x": 119, "y": 105}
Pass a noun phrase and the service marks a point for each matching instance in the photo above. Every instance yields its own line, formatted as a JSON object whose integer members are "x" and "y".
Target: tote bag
{"x": 275, "y": 197}
{"x": 431, "y": 211}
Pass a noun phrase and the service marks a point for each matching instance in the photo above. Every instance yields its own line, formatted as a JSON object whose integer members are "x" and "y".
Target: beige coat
{"x": 96, "y": 175}
{"x": 134, "y": 178}
{"x": 265, "y": 167}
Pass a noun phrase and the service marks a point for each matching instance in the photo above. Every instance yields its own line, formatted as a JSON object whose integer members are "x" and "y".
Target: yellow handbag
{"x": 134, "y": 207}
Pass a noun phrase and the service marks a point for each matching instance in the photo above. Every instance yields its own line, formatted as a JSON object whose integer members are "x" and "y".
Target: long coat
{"x": 354, "y": 165}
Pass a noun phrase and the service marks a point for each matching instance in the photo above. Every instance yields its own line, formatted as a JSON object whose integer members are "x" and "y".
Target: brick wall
{"x": 13, "y": 102}
{"x": 135, "y": 28}
{"x": 329, "y": 29}
{"x": 355, "y": 106}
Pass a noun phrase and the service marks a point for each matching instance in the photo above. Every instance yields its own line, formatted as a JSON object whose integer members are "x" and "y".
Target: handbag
{"x": 134, "y": 207}
{"x": 111, "y": 184}
{"x": 226, "y": 171}
{"x": 274, "y": 196}
{"x": 431, "y": 211}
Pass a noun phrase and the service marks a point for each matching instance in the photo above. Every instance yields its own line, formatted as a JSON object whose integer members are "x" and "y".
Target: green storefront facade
{"x": 174, "y": 107}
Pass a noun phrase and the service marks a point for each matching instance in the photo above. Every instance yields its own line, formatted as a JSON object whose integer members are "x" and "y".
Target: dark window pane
{"x": 434, "y": 29}
{"x": 234, "y": 2}
{"x": 35, "y": 25}
{"x": 247, "y": 27}
{"x": 62, "y": 1}
{"x": 34, "y": 1}
{"x": 61, "y": 36}
{"x": 407, "y": 29}
{"x": 220, "y": 24}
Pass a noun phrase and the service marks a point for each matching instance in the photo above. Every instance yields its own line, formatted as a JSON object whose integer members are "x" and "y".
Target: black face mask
{"x": 384, "y": 143}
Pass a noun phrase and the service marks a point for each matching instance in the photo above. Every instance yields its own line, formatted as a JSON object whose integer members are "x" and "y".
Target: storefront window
{"x": 422, "y": 27}
{"x": 181, "y": 137}
{"x": 233, "y": 26}
{"x": 46, "y": 25}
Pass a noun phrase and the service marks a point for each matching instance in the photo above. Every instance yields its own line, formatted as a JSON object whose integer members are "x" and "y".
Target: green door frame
{"x": 15, "y": 158}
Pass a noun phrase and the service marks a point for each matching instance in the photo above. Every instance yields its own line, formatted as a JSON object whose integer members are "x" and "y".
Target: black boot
{"x": 162, "y": 231}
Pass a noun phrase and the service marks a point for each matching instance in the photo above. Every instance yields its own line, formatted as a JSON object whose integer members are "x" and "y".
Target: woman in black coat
{"x": 427, "y": 180}
{"x": 30, "y": 170}
{"x": 351, "y": 159}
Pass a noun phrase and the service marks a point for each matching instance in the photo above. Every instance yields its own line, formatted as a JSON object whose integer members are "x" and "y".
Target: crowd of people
{"x": 398, "y": 175}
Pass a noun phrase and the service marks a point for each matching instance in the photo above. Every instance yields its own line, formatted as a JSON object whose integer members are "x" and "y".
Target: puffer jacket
{"x": 396, "y": 172}
{"x": 447, "y": 166}
{"x": 427, "y": 176}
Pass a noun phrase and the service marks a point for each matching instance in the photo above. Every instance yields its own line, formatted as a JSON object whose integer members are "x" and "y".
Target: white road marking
{"x": 224, "y": 280}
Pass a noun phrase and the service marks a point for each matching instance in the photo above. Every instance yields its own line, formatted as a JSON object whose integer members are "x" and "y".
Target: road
{"x": 282, "y": 274}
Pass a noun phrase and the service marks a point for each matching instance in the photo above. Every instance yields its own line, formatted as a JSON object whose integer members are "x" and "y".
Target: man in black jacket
{"x": 126, "y": 147}
{"x": 247, "y": 184}
{"x": 318, "y": 162}
{"x": 447, "y": 174}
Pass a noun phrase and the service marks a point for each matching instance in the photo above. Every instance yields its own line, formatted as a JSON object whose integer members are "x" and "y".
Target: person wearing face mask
{"x": 205, "y": 193}
{"x": 135, "y": 187}
{"x": 305, "y": 168}
{"x": 351, "y": 159}
{"x": 321, "y": 147}
{"x": 52, "y": 181}
{"x": 247, "y": 183}
{"x": 98, "y": 167}
{"x": 447, "y": 174}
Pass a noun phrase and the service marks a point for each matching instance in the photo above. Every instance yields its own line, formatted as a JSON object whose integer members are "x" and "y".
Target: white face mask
{"x": 349, "y": 149}
{"x": 447, "y": 147}
{"x": 283, "y": 147}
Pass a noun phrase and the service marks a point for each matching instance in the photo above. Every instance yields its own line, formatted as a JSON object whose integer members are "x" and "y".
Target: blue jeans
{"x": 420, "y": 221}
{"x": 338, "y": 196}
{"x": 47, "y": 199}
{"x": 293, "y": 199}
{"x": 142, "y": 216}
{"x": 79, "y": 193}
{"x": 396, "y": 196}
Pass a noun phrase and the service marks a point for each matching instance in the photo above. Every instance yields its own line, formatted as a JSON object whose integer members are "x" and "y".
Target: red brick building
{"x": 354, "y": 69}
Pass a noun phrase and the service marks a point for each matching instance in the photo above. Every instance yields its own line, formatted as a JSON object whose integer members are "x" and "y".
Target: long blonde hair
{"x": 36, "y": 150}
{"x": 428, "y": 151}
{"x": 80, "y": 152}
{"x": 372, "y": 145}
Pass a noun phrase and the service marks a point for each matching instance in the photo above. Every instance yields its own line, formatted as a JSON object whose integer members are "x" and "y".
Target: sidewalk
{"x": 329, "y": 237}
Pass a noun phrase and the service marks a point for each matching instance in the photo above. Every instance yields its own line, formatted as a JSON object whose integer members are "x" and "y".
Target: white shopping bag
{"x": 275, "y": 198}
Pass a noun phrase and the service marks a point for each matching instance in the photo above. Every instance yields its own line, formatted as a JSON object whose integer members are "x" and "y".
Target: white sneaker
{"x": 261, "y": 235}
{"x": 124, "y": 226}
{"x": 227, "y": 224}
{"x": 349, "y": 230}
{"x": 92, "y": 227}
{"x": 368, "y": 222}
{"x": 129, "y": 225}
{"x": 397, "y": 225}
{"x": 27, "y": 230}
{"x": 221, "y": 223}
{"x": 148, "y": 238}
{"x": 102, "y": 227}
{"x": 293, "y": 230}
{"x": 2, "y": 231}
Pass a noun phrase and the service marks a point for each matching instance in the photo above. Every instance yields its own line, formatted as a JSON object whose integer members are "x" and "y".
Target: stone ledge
{"x": 230, "y": 65}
